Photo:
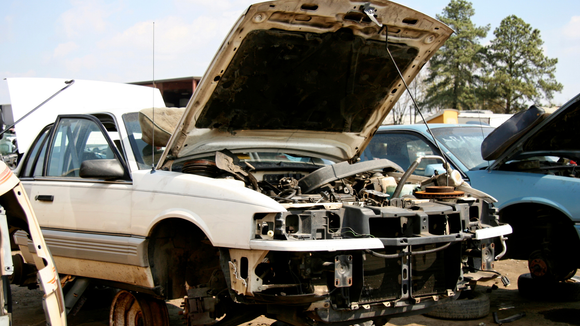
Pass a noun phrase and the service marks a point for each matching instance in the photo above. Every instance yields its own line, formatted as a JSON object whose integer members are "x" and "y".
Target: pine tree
{"x": 518, "y": 71}
{"x": 451, "y": 74}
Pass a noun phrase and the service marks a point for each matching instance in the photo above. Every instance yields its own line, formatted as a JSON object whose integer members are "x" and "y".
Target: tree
{"x": 403, "y": 110}
{"x": 518, "y": 71}
{"x": 451, "y": 73}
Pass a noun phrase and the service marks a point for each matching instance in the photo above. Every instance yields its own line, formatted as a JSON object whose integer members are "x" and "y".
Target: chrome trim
{"x": 316, "y": 245}
{"x": 76, "y": 179}
{"x": 125, "y": 250}
{"x": 493, "y": 232}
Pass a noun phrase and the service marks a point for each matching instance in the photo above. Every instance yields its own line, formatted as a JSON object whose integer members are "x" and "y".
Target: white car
{"x": 257, "y": 205}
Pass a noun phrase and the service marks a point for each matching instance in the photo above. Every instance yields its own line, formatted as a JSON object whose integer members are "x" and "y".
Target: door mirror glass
{"x": 108, "y": 169}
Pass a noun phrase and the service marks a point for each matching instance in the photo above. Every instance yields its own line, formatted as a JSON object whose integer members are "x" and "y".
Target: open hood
{"x": 311, "y": 77}
{"x": 534, "y": 133}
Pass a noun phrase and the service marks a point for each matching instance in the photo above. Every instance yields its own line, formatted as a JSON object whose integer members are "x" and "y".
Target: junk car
{"x": 529, "y": 164}
{"x": 251, "y": 200}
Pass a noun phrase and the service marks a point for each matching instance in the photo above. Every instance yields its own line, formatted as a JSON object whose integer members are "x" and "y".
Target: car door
{"x": 63, "y": 201}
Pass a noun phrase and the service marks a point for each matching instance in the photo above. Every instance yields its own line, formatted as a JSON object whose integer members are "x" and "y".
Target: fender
{"x": 183, "y": 214}
{"x": 536, "y": 200}
{"x": 223, "y": 209}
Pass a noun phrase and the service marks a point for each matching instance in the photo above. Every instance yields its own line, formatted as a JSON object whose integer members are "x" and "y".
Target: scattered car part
{"x": 470, "y": 305}
{"x": 507, "y": 319}
{"x": 17, "y": 213}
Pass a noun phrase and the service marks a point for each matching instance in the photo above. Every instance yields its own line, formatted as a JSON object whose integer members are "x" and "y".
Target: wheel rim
{"x": 538, "y": 267}
{"x": 129, "y": 309}
{"x": 544, "y": 265}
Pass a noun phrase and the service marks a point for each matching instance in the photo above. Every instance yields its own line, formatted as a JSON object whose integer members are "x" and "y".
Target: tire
{"x": 545, "y": 290}
{"x": 470, "y": 305}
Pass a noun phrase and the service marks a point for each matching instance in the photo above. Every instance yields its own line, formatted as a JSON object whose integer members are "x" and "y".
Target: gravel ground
{"x": 506, "y": 301}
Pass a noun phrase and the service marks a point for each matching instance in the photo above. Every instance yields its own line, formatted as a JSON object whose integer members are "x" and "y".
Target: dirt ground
{"x": 27, "y": 307}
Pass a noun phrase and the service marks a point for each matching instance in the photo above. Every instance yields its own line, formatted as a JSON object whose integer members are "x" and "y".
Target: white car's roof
{"x": 83, "y": 96}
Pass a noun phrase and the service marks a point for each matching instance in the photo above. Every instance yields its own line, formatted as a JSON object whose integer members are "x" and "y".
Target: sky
{"x": 129, "y": 40}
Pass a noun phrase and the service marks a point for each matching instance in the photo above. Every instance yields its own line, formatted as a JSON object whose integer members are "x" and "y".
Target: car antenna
{"x": 68, "y": 83}
{"x": 370, "y": 12}
{"x": 153, "y": 107}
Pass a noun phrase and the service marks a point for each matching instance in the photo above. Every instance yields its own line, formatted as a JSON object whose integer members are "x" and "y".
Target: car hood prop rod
{"x": 69, "y": 84}
{"x": 370, "y": 11}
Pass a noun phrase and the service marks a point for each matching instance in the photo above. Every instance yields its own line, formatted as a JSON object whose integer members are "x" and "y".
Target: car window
{"x": 403, "y": 149}
{"x": 76, "y": 140}
{"x": 35, "y": 161}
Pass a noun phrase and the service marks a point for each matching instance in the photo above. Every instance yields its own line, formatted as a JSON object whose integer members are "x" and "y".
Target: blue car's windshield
{"x": 464, "y": 143}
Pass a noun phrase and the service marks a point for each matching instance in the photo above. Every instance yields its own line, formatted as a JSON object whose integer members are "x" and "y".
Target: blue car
{"x": 529, "y": 164}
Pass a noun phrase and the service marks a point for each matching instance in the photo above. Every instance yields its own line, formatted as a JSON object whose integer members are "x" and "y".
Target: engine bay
{"x": 302, "y": 182}
{"x": 550, "y": 165}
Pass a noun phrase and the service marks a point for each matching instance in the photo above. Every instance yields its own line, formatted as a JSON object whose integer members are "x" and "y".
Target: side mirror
{"x": 108, "y": 169}
{"x": 431, "y": 168}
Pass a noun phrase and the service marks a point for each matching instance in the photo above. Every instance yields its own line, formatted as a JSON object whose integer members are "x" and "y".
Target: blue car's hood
{"x": 544, "y": 135}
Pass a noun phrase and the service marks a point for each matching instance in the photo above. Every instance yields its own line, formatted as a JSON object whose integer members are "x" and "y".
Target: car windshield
{"x": 146, "y": 157}
{"x": 144, "y": 154}
{"x": 464, "y": 143}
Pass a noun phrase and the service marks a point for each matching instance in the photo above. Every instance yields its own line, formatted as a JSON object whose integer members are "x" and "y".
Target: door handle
{"x": 44, "y": 198}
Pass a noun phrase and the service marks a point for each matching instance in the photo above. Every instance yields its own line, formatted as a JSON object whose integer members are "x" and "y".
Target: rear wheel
{"x": 135, "y": 309}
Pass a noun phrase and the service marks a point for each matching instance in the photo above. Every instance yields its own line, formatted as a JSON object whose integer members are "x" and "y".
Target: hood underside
{"x": 291, "y": 80}
{"x": 316, "y": 75}
{"x": 557, "y": 134}
{"x": 553, "y": 135}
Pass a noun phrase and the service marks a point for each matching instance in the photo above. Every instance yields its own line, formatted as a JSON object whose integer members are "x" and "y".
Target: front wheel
{"x": 545, "y": 266}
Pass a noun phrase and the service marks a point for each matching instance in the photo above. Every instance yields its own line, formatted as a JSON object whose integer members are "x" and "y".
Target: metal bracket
{"x": 343, "y": 271}
{"x": 5, "y": 251}
{"x": 406, "y": 268}
{"x": 370, "y": 12}
{"x": 200, "y": 306}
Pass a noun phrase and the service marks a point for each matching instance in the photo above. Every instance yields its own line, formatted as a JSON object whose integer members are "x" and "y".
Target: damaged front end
{"x": 347, "y": 250}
